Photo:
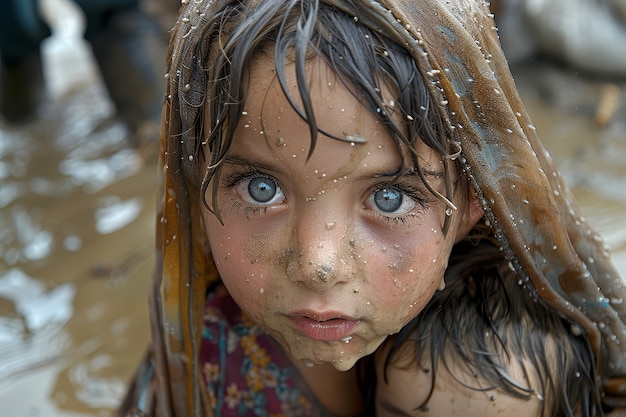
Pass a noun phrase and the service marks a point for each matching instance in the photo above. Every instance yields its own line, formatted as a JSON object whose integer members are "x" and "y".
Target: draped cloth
{"x": 531, "y": 211}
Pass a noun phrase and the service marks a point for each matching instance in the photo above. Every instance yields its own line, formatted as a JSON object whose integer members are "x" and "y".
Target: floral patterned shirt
{"x": 246, "y": 371}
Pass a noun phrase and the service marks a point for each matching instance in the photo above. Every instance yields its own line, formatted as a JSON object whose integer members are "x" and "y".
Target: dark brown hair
{"x": 369, "y": 63}
{"x": 366, "y": 62}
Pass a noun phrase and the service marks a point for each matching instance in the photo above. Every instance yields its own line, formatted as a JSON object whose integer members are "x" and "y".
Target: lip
{"x": 326, "y": 326}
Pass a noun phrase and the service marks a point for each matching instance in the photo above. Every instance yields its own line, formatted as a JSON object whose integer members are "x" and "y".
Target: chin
{"x": 341, "y": 355}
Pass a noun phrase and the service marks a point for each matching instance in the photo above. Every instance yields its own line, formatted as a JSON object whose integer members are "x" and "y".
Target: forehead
{"x": 338, "y": 113}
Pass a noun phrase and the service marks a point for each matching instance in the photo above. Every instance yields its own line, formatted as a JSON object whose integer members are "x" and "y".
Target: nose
{"x": 325, "y": 253}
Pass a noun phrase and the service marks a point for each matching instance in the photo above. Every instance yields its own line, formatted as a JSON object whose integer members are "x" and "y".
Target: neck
{"x": 337, "y": 391}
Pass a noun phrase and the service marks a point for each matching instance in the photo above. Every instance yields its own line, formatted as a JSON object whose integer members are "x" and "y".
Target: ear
{"x": 473, "y": 213}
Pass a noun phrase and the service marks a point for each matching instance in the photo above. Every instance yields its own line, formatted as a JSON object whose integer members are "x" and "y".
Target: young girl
{"x": 358, "y": 219}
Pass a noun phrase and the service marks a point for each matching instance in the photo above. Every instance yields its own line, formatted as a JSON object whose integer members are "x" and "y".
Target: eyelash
{"x": 419, "y": 196}
{"x": 231, "y": 181}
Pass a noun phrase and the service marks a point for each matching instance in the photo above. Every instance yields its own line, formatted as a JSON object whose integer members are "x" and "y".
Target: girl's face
{"x": 324, "y": 254}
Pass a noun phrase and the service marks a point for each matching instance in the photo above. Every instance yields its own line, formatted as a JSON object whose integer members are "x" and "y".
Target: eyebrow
{"x": 243, "y": 161}
{"x": 410, "y": 172}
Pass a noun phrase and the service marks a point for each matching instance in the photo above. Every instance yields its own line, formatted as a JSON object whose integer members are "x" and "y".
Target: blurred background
{"x": 79, "y": 106}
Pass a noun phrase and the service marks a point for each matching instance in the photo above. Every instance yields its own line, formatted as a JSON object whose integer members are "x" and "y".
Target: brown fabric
{"x": 526, "y": 202}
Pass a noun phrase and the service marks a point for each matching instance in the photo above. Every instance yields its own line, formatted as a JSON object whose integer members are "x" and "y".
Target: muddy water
{"x": 76, "y": 244}
{"x": 76, "y": 236}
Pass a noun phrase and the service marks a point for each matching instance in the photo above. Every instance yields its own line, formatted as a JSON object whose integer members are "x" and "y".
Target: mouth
{"x": 324, "y": 326}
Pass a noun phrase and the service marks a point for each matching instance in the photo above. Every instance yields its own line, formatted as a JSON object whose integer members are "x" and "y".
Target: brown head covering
{"x": 531, "y": 211}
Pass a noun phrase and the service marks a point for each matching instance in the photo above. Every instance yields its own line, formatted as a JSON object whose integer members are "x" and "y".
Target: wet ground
{"x": 77, "y": 217}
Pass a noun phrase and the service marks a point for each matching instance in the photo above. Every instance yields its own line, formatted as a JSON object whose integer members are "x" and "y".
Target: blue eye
{"x": 391, "y": 201}
{"x": 388, "y": 200}
{"x": 259, "y": 190}
{"x": 262, "y": 189}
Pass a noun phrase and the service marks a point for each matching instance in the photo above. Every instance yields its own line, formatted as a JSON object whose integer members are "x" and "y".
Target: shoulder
{"x": 406, "y": 388}
{"x": 485, "y": 346}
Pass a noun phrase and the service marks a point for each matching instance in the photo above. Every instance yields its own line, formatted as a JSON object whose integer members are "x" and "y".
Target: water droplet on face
{"x": 308, "y": 363}
{"x": 330, "y": 225}
{"x": 346, "y": 339}
{"x": 262, "y": 290}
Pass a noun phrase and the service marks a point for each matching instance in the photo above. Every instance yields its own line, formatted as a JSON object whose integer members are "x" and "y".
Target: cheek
{"x": 242, "y": 271}
{"x": 406, "y": 275}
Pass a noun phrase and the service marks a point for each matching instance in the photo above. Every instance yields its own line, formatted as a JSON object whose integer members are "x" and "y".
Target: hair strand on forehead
{"x": 364, "y": 60}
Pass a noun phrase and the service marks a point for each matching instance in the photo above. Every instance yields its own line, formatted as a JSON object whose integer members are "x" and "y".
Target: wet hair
{"x": 367, "y": 62}
{"x": 370, "y": 65}
{"x": 485, "y": 321}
